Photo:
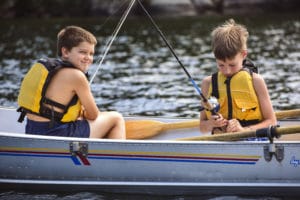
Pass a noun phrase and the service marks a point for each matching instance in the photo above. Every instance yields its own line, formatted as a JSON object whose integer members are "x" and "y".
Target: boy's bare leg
{"x": 108, "y": 124}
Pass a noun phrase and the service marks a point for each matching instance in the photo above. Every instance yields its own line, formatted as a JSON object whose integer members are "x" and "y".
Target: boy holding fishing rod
{"x": 242, "y": 93}
{"x": 55, "y": 94}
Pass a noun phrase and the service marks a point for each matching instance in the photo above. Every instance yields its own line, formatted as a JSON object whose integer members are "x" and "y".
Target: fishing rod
{"x": 109, "y": 43}
{"x": 207, "y": 104}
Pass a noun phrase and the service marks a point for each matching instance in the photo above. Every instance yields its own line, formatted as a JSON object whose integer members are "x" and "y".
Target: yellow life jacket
{"x": 237, "y": 97}
{"x": 32, "y": 97}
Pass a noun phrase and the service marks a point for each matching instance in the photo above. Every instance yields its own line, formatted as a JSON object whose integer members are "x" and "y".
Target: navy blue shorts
{"x": 79, "y": 128}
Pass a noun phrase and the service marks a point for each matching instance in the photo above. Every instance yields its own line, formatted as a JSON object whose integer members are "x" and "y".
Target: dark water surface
{"x": 141, "y": 77}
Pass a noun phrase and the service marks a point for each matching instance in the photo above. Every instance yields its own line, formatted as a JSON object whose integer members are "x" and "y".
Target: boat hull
{"x": 149, "y": 166}
{"x": 133, "y": 165}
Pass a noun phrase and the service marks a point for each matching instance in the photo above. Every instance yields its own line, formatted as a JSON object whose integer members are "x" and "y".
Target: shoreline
{"x": 95, "y": 8}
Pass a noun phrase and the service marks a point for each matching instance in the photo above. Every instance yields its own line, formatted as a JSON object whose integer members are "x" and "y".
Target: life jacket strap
{"x": 51, "y": 114}
{"x": 45, "y": 112}
{"x": 248, "y": 122}
{"x": 45, "y": 100}
{"x": 22, "y": 114}
{"x": 215, "y": 90}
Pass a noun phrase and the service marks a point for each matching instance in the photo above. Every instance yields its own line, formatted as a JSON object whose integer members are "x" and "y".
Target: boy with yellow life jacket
{"x": 55, "y": 95}
{"x": 32, "y": 97}
{"x": 242, "y": 94}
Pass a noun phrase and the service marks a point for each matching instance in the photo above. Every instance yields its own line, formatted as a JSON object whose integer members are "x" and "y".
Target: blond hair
{"x": 72, "y": 36}
{"x": 229, "y": 39}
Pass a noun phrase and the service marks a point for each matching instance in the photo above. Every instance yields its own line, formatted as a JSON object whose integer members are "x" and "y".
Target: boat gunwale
{"x": 144, "y": 141}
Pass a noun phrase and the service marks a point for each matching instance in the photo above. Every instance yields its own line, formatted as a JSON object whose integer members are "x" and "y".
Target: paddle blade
{"x": 287, "y": 114}
{"x": 141, "y": 129}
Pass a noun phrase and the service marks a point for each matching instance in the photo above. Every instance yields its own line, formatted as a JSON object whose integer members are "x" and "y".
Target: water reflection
{"x": 140, "y": 76}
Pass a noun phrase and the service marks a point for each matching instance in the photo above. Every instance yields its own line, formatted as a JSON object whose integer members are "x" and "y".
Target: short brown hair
{"x": 72, "y": 36}
{"x": 229, "y": 39}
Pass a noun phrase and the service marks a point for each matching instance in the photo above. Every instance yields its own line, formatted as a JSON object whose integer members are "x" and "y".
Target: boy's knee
{"x": 117, "y": 115}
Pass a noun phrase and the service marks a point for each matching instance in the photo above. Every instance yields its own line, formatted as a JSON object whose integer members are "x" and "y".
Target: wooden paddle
{"x": 287, "y": 114}
{"x": 275, "y": 132}
{"x": 142, "y": 129}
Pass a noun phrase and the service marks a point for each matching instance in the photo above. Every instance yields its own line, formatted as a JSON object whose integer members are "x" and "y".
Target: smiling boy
{"x": 67, "y": 106}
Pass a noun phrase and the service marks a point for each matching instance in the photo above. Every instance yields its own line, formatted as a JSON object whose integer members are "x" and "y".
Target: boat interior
{"x": 10, "y": 124}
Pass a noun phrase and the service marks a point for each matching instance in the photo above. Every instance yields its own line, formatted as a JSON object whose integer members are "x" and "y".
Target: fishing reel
{"x": 214, "y": 104}
{"x": 211, "y": 105}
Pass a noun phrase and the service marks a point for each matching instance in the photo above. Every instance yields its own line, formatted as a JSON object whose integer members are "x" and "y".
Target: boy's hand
{"x": 219, "y": 124}
{"x": 234, "y": 126}
{"x": 218, "y": 120}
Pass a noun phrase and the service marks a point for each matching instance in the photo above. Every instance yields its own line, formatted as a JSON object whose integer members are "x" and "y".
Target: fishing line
{"x": 112, "y": 38}
{"x": 111, "y": 15}
{"x": 173, "y": 52}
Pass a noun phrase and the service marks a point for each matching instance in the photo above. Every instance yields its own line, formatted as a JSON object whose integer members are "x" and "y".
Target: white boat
{"x": 158, "y": 165}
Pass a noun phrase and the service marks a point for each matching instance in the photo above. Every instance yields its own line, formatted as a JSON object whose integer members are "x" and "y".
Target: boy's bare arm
{"x": 261, "y": 89}
{"x": 83, "y": 91}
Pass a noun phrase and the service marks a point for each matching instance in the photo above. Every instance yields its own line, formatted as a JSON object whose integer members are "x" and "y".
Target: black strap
{"x": 51, "y": 114}
{"x": 250, "y": 66}
{"x": 53, "y": 103}
{"x": 214, "y": 82}
{"x": 248, "y": 122}
{"x": 229, "y": 98}
{"x": 72, "y": 102}
{"x": 54, "y": 63}
{"x": 48, "y": 113}
{"x": 22, "y": 114}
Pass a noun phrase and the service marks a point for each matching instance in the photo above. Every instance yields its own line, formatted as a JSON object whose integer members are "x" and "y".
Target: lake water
{"x": 140, "y": 76}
